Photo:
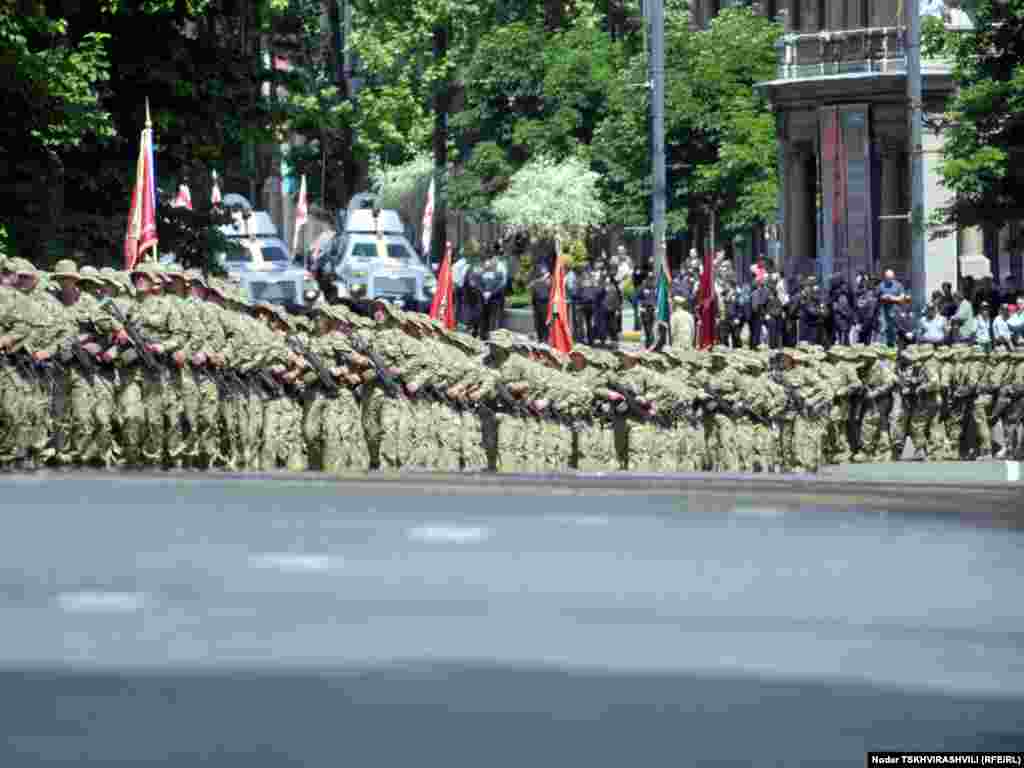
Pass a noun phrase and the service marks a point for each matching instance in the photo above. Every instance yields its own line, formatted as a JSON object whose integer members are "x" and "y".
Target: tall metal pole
{"x": 916, "y": 218}
{"x": 657, "y": 72}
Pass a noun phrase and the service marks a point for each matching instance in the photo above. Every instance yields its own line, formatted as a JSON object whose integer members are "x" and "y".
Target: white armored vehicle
{"x": 371, "y": 258}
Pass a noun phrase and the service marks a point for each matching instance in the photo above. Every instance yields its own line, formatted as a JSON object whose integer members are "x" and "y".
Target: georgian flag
{"x": 141, "y": 233}
{"x": 215, "y": 193}
{"x": 428, "y": 221}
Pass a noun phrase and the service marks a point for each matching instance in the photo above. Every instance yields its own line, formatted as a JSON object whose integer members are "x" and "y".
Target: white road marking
{"x": 101, "y": 602}
{"x": 449, "y": 533}
{"x": 590, "y": 520}
{"x": 758, "y": 512}
{"x": 294, "y": 563}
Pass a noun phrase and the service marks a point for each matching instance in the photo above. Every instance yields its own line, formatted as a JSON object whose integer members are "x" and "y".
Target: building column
{"x": 893, "y": 233}
{"x": 801, "y": 224}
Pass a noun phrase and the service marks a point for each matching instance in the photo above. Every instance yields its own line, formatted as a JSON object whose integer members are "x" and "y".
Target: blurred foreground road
{"x": 180, "y": 620}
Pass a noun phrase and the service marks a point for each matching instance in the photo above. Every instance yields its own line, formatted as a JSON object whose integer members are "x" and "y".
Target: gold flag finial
{"x": 149, "y": 123}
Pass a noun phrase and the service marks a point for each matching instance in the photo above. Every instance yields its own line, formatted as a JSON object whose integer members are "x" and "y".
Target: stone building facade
{"x": 841, "y": 109}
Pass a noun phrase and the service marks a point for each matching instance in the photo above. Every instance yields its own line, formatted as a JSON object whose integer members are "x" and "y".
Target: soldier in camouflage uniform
{"x": 879, "y": 379}
{"x": 595, "y": 434}
{"x": 1014, "y": 414}
{"x": 957, "y": 395}
{"x": 925, "y": 425}
{"x": 388, "y": 418}
{"x": 999, "y": 377}
{"x": 282, "y": 440}
{"x": 848, "y": 388}
{"x": 719, "y": 430}
{"x": 982, "y": 387}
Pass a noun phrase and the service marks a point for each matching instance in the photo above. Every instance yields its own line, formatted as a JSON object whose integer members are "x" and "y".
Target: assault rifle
{"x": 630, "y": 399}
{"x": 506, "y": 398}
{"x": 1008, "y": 396}
{"x": 139, "y": 342}
{"x": 362, "y": 347}
{"x": 326, "y": 379}
{"x": 84, "y": 360}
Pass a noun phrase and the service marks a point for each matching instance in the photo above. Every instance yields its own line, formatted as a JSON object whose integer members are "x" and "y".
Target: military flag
{"x": 662, "y": 285}
{"x": 428, "y": 221}
{"x": 707, "y": 303}
{"x": 215, "y": 192}
{"x": 301, "y": 213}
{"x": 559, "y": 330}
{"x": 443, "y": 306}
{"x": 184, "y": 198}
{"x": 141, "y": 234}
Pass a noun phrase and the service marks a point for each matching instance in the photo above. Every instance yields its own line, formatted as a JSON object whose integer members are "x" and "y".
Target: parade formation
{"x": 161, "y": 368}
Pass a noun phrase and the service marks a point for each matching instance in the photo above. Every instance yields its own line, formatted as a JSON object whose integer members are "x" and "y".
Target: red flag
{"x": 141, "y": 234}
{"x": 559, "y": 330}
{"x": 707, "y": 303}
{"x": 184, "y": 198}
{"x": 428, "y": 221}
{"x": 443, "y": 306}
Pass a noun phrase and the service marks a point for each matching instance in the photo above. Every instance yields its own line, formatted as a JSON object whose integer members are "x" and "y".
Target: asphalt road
{"x": 252, "y": 622}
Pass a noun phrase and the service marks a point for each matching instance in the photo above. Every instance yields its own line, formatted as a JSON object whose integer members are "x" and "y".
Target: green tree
{"x": 983, "y": 124}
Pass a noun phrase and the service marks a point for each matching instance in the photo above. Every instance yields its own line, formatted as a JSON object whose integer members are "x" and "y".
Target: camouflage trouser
{"x": 557, "y": 446}
{"x": 342, "y": 440}
{"x": 767, "y": 437}
{"x": 875, "y": 441}
{"x": 981, "y": 411}
{"x": 250, "y": 422}
{"x": 314, "y": 402}
{"x": 743, "y": 431}
{"x": 900, "y": 418}
{"x": 132, "y": 415}
{"x": 154, "y": 404}
{"x": 787, "y": 444}
{"x": 511, "y": 435}
{"x": 1014, "y": 430}
{"x": 665, "y": 450}
{"x": 837, "y": 441}
{"x": 90, "y": 407}
{"x": 179, "y": 389}
{"x": 720, "y": 434}
{"x": 596, "y": 446}
{"x": 39, "y": 417}
{"x": 807, "y": 442}
{"x": 640, "y": 442}
{"x": 16, "y": 400}
{"x": 533, "y": 453}
{"x": 954, "y": 430}
{"x": 421, "y": 443}
{"x": 926, "y": 429}
{"x": 387, "y": 422}
{"x": 689, "y": 439}
{"x": 103, "y": 445}
{"x": 472, "y": 446}
{"x": 448, "y": 428}
{"x": 282, "y": 436}
{"x": 206, "y": 433}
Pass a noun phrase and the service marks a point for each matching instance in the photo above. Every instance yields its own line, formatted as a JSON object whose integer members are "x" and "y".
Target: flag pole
{"x": 149, "y": 128}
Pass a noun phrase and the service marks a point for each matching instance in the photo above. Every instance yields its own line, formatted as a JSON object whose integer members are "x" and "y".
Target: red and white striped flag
{"x": 184, "y": 198}
{"x": 301, "y": 213}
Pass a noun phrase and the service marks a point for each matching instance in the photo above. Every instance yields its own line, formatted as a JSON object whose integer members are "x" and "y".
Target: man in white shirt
{"x": 932, "y": 327}
{"x": 1002, "y": 334}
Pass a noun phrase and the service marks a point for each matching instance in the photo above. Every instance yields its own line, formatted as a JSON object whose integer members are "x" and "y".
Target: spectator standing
{"x": 684, "y": 326}
{"x": 890, "y": 293}
{"x": 949, "y": 304}
{"x": 983, "y": 327}
{"x": 963, "y": 320}
{"x": 866, "y": 306}
{"x": 644, "y": 298}
{"x": 1002, "y": 336}
{"x": 760, "y": 301}
{"x": 933, "y": 327}
{"x": 811, "y": 311}
{"x": 841, "y": 310}
{"x": 540, "y": 292}
{"x": 459, "y": 271}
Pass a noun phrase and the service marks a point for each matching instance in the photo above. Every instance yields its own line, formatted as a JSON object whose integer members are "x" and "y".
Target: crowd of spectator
{"x": 777, "y": 311}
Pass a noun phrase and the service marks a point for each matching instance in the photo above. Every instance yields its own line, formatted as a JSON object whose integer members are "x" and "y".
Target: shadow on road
{"x": 475, "y": 715}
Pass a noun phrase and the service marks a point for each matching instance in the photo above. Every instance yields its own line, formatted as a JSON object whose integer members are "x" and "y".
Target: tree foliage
{"x": 983, "y": 125}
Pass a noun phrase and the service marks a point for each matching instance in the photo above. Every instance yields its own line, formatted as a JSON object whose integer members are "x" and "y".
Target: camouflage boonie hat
{"x": 471, "y": 344}
{"x": 65, "y": 268}
{"x": 978, "y": 353}
{"x": 22, "y": 266}
{"x": 171, "y": 271}
{"x": 672, "y": 357}
{"x": 944, "y": 353}
{"x": 148, "y": 268}
{"x": 501, "y": 339}
{"x": 89, "y": 274}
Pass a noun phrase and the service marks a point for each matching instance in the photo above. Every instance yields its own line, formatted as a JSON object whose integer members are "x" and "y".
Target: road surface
{"x": 179, "y": 620}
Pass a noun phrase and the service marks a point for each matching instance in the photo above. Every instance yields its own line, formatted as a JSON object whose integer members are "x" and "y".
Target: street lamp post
{"x": 659, "y": 190}
{"x": 916, "y": 217}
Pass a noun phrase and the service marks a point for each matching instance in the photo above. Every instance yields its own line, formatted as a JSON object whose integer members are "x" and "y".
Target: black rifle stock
{"x": 139, "y": 342}
{"x": 326, "y": 379}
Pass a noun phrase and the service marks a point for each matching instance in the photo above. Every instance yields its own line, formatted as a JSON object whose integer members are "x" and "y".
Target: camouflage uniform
{"x": 980, "y": 381}
{"x": 719, "y": 430}
{"x": 879, "y": 380}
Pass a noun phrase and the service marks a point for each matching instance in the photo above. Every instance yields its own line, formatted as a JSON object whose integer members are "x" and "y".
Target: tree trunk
{"x": 442, "y": 90}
